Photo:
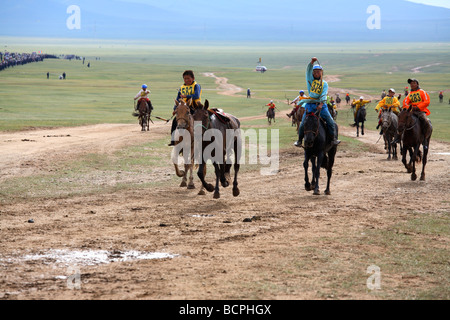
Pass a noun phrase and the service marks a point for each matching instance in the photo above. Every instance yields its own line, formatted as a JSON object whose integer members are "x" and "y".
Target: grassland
{"x": 104, "y": 92}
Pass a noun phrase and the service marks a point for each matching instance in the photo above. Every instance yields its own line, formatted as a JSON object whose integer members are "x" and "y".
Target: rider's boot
{"x": 299, "y": 142}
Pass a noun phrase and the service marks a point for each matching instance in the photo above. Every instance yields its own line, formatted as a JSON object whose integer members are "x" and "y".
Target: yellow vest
{"x": 190, "y": 90}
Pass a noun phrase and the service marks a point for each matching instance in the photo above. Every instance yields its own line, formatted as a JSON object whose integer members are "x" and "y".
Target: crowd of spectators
{"x": 11, "y": 59}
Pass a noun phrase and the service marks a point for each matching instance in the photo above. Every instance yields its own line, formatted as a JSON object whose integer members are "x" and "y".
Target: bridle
{"x": 314, "y": 132}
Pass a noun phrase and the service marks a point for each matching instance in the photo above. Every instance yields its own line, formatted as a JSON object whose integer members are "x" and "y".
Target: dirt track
{"x": 289, "y": 249}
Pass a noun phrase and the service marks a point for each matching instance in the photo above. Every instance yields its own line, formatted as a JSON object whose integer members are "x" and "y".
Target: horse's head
{"x": 404, "y": 118}
{"x": 386, "y": 118}
{"x": 311, "y": 129}
{"x": 182, "y": 114}
{"x": 201, "y": 114}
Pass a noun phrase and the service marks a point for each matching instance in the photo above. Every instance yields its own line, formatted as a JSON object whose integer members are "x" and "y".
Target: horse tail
{"x": 180, "y": 173}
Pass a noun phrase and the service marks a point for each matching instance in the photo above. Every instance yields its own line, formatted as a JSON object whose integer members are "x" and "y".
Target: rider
{"x": 419, "y": 100}
{"x": 358, "y": 104}
{"x": 298, "y": 102}
{"x": 189, "y": 90}
{"x": 388, "y": 102}
{"x": 271, "y": 105}
{"x": 318, "y": 91}
{"x": 143, "y": 95}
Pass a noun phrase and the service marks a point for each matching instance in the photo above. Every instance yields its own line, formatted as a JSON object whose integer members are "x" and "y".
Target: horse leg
{"x": 185, "y": 173}
{"x": 389, "y": 147}
{"x": 202, "y": 188}
{"x": 414, "y": 158}
{"x": 317, "y": 174}
{"x": 191, "y": 184}
{"x": 331, "y": 156}
{"x": 424, "y": 158}
{"x": 357, "y": 129}
{"x": 362, "y": 128}
{"x": 305, "y": 166}
{"x": 201, "y": 173}
{"x": 218, "y": 175}
{"x": 237, "y": 166}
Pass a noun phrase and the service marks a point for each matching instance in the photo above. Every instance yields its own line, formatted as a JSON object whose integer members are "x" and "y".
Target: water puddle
{"x": 89, "y": 257}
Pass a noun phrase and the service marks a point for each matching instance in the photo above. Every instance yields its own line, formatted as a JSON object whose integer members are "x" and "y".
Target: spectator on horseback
{"x": 419, "y": 100}
{"x": 318, "y": 92}
{"x": 388, "y": 102}
{"x": 143, "y": 95}
{"x": 298, "y": 102}
{"x": 189, "y": 90}
{"x": 358, "y": 104}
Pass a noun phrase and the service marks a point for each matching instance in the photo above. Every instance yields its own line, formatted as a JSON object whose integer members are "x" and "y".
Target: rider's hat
{"x": 362, "y": 98}
{"x": 317, "y": 67}
{"x": 144, "y": 86}
{"x": 301, "y": 91}
{"x": 391, "y": 89}
{"x": 413, "y": 79}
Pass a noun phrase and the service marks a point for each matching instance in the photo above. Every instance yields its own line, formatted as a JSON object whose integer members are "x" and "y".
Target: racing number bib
{"x": 316, "y": 87}
{"x": 415, "y": 97}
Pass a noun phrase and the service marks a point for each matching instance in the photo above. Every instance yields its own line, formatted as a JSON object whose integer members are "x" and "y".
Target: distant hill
{"x": 220, "y": 20}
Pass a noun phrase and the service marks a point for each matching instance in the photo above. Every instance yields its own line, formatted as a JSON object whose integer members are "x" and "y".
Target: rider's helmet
{"x": 144, "y": 86}
{"x": 317, "y": 67}
{"x": 301, "y": 91}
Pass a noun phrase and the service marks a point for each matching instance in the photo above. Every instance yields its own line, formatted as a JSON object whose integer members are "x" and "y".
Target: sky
{"x": 229, "y": 20}
{"x": 436, "y": 3}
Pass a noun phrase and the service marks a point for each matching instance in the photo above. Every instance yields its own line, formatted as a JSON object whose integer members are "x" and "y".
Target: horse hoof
{"x": 216, "y": 195}
{"x": 210, "y": 188}
{"x": 327, "y": 192}
{"x": 413, "y": 177}
{"x": 308, "y": 187}
{"x": 191, "y": 186}
{"x": 422, "y": 177}
{"x": 201, "y": 193}
{"x": 225, "y": 184}
{"x": 316, "y": 192}
{"x": 236, "y": 192}
{"x": 183, "y": 184}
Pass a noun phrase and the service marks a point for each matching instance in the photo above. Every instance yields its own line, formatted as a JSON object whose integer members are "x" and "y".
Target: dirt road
{"x": 274, "y": 241}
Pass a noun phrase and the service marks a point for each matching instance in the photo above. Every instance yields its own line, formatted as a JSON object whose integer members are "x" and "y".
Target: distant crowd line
{"x": 12, "y": 59}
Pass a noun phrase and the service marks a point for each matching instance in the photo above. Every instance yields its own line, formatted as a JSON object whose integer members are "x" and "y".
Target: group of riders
{"x": 316, "y": 101}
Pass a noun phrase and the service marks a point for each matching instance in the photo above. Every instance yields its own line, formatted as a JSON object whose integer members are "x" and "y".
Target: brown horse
{"x": 185, "y": 122}
{"x": 227, "y": 131}
{"x": 410, "y": 128}
{"x": 145, "y": 111}
{"x": 298, "y": 115}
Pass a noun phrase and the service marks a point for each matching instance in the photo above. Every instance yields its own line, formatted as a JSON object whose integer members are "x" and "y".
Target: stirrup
{"x": 298, "y": 144}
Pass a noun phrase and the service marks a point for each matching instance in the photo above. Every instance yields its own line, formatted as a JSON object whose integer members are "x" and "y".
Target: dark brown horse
{"x": 145, "y": 111}
{"x": 270, "y": 115}
{"x": 219, "y": 138}
{"x": 410, "y": 128}
{"x": 185, "y": 128}
{"x": 298, "y": 115}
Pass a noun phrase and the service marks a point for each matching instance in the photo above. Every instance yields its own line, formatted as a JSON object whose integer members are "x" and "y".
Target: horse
{"x": 270, "y": 115}
{"x": 185, "y": 121}
{"x": 208, "y": 119}
{"x": 410, "y": 128}
{"x": 316, "y": 151}
{"x": 360, "y": 118}
{"x": 389, "y": 122}
{"x": 145, "y": 111}
{"x": 299, "y": 116}
{"x": 332, "y": 111}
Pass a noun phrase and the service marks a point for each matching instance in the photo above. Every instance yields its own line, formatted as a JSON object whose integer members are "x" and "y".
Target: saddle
{"x": 220, "y": 114}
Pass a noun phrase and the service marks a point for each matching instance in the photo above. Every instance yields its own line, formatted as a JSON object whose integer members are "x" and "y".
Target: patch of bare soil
{"x": 274, "y": 241}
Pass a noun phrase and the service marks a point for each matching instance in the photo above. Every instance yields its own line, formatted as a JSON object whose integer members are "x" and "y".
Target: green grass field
{"x": 104, "y": 92}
